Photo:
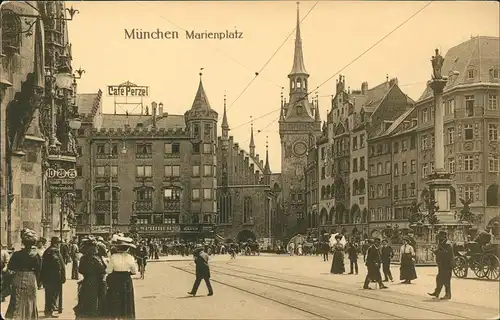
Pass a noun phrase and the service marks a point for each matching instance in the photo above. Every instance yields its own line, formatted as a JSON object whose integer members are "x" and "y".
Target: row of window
{"x": 145, "y": 194}
{"x": 145, "y": 171}
{"x": 147, "y": 148}
{"x": 387, "y": 214}
{"x": 449, "y": 107}
{"x": 378, "y": 191}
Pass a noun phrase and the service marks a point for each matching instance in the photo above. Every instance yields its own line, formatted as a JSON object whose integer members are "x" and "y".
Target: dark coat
{"x": 373, "y": 257}
{"x": 386, "y": 254}
{"x": 445, "y": 258}
{"x": 352, "y": 252}
{"x": 53, "y": 267}
{"x": 202, "y": 268}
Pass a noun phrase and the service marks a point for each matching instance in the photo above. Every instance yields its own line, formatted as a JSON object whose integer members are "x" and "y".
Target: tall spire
{"x": 252, "y": 143}
{"x": 282, "y": 114}
{"x": 298, "y": 56}
{"x": 225, "y": 125}
{"x": 201, "y": 100}
{"x": 267, "y": 168}
{"x": 316, "y": 110}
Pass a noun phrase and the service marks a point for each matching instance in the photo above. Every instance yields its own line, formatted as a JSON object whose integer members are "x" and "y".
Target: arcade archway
{"x": 244, "y": 235}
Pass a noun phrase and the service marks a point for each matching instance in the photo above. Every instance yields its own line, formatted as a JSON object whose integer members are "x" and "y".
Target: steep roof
{"x": 298, "y": 56}
{"x": 376, "y": 95}
{"x": 382, "y": 133}
{"x": 85, "y": 102}
{"x": 478, "y": 53}
{"x": 171, "y": 121}
{"x": 201, "y": 100}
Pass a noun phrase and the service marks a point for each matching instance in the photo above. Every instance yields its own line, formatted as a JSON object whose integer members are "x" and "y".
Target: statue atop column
{"x": 437, "y": 64}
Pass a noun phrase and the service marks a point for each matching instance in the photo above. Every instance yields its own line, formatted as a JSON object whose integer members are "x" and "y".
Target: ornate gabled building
{"x": 37, "y": 95}
{"x": 344, "y": 155}
{"x": 471, "y": 127}
{"x": 247, "y": 193}
{"x": 299, "y": 125}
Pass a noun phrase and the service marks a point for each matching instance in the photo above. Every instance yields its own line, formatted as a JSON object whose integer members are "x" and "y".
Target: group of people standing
{"x": 106, "y": 290}
{"x": 378, "y": 255}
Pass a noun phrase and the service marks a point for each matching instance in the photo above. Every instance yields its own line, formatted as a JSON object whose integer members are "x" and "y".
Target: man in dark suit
{"x": 352, "y": 253}
{"x": 373, "y": 261}
{"x": 386, "y": 255}
{"x": 53, "y": 276}
{"x": 202, "y": 271}
{"x": 445, "y": 260}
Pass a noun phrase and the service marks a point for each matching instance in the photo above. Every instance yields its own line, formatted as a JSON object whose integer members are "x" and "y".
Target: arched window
{"x": 299, "y": 84}
{"x": 331, "y": 216}
{"x": 380, "y": 169}
{"x": 323, "y": 217}
{"x": 492, "y": 195}
{"x": 323, "y": 191}
{"x": 355, "y": 187}
{"x": 362, "y": 186}
{"x": 332, "y": 190}
{"x": 224, "y": 209}
{"x": 248, "y": 210}
{"x": 327, "y": 191}
{"x": 11, "y": 32}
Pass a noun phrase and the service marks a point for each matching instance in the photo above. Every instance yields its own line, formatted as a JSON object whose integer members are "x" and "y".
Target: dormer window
{"x": 11, "y": 32}
{"x": 470, "y": 74}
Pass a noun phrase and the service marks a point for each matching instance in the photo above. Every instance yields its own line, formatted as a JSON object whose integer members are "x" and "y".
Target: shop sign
{"x": 190, "y": 228}
{"x": 158, "y": 228}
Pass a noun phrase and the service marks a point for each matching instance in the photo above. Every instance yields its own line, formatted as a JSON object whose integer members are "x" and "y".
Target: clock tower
{"x": 299, "y": 126}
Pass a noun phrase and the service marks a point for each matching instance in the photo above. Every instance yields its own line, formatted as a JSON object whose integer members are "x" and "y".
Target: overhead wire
{"x": 272, "y": 56}
{"x": 347, "y": 65}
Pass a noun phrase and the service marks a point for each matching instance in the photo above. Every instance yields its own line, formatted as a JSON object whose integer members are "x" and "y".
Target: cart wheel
{"x": 492, "y": 266}
{"x": 480, "y": 269}
{"x": 461, "y": 267}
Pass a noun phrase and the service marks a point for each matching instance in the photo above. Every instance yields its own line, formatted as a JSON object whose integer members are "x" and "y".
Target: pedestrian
{"x": 352, "y": 253}
{"x": 120, "y": 301}
{"x": 92, "y": 289}
{"x": 387, "y": 254}
{"x": 338, "y": 256}
{"x": 40, "y": 249}
{"x": 445, "y": 261}
{"x": 53, "y": 276}
{"x": 74, "y": 255}
{"x": 373, "y": 261}
{"x": 4, "y": 273}
{"x": 142, "y": 257}
{"x": 202, "y": 271}
{"x": 324, "y": 249}
{"x": 25, "y": 264}
{"x": 407, "y": 271}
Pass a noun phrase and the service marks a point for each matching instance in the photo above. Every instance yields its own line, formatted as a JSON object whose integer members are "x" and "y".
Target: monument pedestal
{"x": 440, "y": 184}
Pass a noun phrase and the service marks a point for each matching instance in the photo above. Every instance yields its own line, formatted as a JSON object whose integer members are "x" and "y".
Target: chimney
{"x": 364, "y": 88}
{"x": 160, "y": 109}
{"x": 394, "y": 81}
{"x": 153, "y": 112}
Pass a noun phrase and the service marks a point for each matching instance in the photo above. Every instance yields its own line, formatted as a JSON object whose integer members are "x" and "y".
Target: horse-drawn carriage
{"x": 480, "y": 255}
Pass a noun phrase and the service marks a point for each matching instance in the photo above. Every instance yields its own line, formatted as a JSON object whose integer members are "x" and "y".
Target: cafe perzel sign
{"x": 61, "y": 180}
{"x": 128, "y": 89}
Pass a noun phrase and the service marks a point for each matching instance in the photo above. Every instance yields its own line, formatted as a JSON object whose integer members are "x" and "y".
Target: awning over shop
{"x": 219, "y": 237}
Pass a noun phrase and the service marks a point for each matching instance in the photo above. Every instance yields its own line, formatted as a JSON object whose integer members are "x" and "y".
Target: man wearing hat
{"x": 202, "y": 271}
{"x": 445, "y": 260}
{"x": 53, "y": 276}
{"x": 373, "y": 261}
{"x": 386, "y": 255}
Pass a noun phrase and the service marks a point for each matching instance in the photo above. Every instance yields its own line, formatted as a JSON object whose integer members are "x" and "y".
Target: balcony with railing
{"x": 105, "y": 179}
{"x": 106, "y": 156}
{"x": 171, "y": 205}
{"x": 102, "y": 206}
{"x": 143, "y": 206}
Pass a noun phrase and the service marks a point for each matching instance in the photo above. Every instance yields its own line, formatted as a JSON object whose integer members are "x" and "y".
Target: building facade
{"x": 299, "y": 125}
{"x": 169, "y": 174}
{"x": 37, "y": 96}
{"x": 312, "y": 191}
{"x": 471, "y": 126}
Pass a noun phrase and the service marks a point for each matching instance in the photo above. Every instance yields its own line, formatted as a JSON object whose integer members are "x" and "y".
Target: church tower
{"x": 299, "y": 125}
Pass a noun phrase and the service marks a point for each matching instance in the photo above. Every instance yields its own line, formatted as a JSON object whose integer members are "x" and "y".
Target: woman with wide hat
{"x": 92, "y": 289}
{"x": 120, "y": 302}
{"x": 407, "y": 271}
{"x": 26, "y": 265}
{"x": 338, "y": 256}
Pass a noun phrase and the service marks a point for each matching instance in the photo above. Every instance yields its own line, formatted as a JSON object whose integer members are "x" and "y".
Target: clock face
{"x": 299, "y": 148}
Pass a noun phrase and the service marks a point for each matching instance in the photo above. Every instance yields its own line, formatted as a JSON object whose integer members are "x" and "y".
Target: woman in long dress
{"x": 407, "y": 271}
{"x": 120, "y": 303}
{"x": 92, "y": 289}
{"x": 338, "y": 256}
{"x": 26, "y": 265}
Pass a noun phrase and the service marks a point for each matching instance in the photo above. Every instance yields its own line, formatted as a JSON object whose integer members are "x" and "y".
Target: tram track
{"x": 463, "y": 311}
{"x": 319, "y": 302}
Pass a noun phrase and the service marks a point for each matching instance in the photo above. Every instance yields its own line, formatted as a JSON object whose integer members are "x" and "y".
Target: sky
{"x": 334, "y": 35}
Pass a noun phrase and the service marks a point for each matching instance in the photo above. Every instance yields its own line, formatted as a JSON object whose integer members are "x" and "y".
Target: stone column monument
{"x": 440, "y": 179}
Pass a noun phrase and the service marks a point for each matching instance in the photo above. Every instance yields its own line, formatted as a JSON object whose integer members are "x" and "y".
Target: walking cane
{"x": 60, "y": 308}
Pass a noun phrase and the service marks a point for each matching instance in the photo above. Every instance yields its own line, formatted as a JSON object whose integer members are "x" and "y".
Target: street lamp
{"x": 64, "y": 80}
{"x": 75, "y": 123}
